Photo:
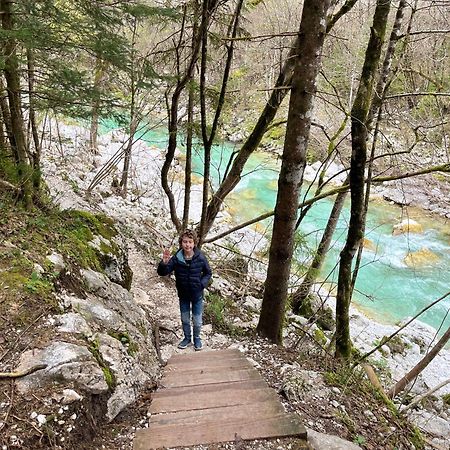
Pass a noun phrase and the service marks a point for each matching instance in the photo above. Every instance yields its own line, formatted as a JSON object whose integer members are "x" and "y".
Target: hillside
{"x": 65, "y": 276}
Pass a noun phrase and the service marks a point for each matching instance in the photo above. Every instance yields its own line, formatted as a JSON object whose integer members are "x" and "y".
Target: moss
{"x": 110, "y": 379}
{"x": 320, "y": 337}
{"x": 124, "y": 338}
{"x": 396, "y": 344}
{"x": 446, "y": 399}
{"x": 416, "y": 438}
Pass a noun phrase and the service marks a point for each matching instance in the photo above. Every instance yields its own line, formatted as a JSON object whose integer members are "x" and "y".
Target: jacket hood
{"x": 180, "y": 255}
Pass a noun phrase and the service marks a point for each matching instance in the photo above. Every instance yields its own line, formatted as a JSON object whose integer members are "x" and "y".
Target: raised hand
{"x": 166, "y": 256}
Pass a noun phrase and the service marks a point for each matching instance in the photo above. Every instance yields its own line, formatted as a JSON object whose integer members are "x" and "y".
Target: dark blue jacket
{"x": 190, "y": 279}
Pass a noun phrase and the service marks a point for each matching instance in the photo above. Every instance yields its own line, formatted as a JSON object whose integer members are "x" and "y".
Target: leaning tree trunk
{"x": 418, "y": 368}
{"x": 208, "y": 140}
{"x": 172, "y": 120}
{"x": 375, "y": 110}
{"x": 307, "y": 63}
{"x": 359, "y": 116}
{"x": 314, "y": 269}
{"x": 18, "y": 141}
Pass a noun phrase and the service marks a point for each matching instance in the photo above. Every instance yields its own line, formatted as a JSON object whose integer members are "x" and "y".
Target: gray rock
{"x": 431, "y": 423}
{"x": 253, "y": 302}
{"x": 65, "y": 362}
{"x": 57, "y": 260}
{"x": 129, "y": 375}
{"x": 73, "y": 323}
{"x": 321, "y": 441}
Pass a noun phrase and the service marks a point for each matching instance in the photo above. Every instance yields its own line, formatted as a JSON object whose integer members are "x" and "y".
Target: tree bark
{"x": 208, "y": 141}
{"x": 35, "y": 156}
{"x": 173, "y": 121}
{"x": 359, "y": 117}
{"x": 99, "y": 77}
{"x": 18, "y": 141}
{"x": 307, "y": 63}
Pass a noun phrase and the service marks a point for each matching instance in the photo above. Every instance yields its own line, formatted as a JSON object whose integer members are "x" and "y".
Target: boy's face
{"x": 187, "y": 244}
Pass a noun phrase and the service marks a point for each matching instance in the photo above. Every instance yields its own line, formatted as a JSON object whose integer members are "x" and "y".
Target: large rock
{"x": 129, "y": 376}
{"x": 322, "y": 441}
{"x": 65, "y": 362}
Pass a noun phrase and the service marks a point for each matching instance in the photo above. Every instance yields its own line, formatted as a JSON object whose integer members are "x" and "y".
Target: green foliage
{"x": 124, "y": 338}
{"x": 39, "y": 286}
{"x": 446, "y": 399}
{"x": 359, "y": 440}
{"x": 216, "y": 311}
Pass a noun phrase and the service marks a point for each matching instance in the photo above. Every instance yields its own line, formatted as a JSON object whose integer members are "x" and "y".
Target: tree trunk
{"x": 172, "y": 124}
{"x": 418, "y": 368}
{"x": 375, "y": 110}
{"x": 188, "y": 166}
{"x": 35, "y": 156}
{"x": 18, "y": 141}
{"x": 6, "y": 116}
{"x": 99, "y": 77}
{"x": 359, "y": 116}
{"x": 324, "y": 245}
{"x": 307, "y": 63}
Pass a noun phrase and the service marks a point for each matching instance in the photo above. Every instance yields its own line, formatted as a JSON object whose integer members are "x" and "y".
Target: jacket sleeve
{"x": 206, "y": 273}
{"x": 166, "y": 269}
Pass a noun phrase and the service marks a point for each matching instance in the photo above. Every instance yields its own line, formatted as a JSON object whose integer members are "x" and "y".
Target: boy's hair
{"x": 191, "y": 234}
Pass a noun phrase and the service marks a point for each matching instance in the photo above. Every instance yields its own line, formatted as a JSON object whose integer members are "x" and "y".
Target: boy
{"x": 192, "y": 274}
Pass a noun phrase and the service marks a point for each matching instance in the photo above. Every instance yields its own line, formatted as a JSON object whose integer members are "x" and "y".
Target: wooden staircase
{"x": 214, "y": 396}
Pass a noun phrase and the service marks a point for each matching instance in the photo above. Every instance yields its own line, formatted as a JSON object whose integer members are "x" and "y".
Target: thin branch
{"x": 383, "y": 341}
{"x": 417, "y": 94}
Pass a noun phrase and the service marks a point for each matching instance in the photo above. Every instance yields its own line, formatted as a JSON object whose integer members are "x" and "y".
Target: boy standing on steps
{"x": 192, "y": 274}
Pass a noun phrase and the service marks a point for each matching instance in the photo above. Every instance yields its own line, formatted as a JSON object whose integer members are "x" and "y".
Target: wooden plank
{"x": 201, "y": 363}
{"x": 185, "y": 435}
{"x": 213, "y": 395}
{"x": 180, "y": 379}
{"x": 205, "y": 355}
{"x": 193, "y": 372}
{"x": 256, "y": 410}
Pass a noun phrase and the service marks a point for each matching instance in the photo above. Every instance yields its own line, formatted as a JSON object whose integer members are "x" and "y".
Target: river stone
{"x": 65, "y": 362}
{"x": 322, "y": 441}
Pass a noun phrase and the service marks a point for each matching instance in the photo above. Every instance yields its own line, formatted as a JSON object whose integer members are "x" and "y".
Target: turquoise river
{"x": 389, "y": 287}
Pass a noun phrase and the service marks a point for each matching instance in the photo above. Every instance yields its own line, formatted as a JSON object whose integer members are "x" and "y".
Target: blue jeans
{"x": 197, "y": 311}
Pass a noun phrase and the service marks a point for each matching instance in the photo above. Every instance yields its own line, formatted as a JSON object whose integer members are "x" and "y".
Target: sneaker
{"x": 184, "y": 343}
{"x": 198, "y": 344}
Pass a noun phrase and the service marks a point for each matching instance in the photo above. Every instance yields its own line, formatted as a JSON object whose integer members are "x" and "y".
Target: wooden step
{"x": 212, "y": 395}
{"x": 175, "y": 435}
